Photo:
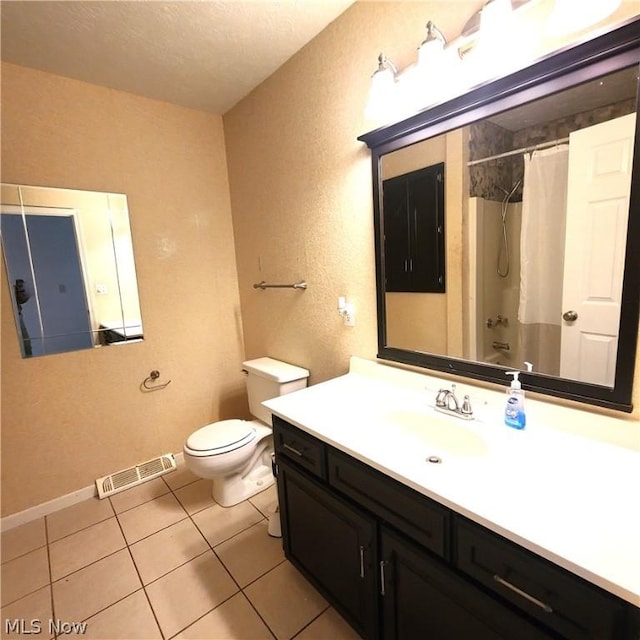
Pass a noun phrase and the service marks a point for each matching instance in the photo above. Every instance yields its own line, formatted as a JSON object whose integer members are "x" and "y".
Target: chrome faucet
{"x": 447, "y": 402}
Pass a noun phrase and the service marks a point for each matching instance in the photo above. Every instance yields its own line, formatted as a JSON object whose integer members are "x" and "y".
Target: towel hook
{"x": 152, "y": 377}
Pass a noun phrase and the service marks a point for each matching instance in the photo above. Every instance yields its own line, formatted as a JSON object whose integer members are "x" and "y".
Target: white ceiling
{"x": 207, "y": 55}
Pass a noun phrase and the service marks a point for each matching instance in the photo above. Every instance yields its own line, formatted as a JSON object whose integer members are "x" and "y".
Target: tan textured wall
{"x": 417, "y": 321}
{"x": 301, "y": 186}
{"x": 301, "y": 183}
{"x": 301, "y": 196}
{"x": 66, "y": 419}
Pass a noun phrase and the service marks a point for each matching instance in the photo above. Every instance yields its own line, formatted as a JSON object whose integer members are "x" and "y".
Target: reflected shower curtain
{"x": 544, "y": 212}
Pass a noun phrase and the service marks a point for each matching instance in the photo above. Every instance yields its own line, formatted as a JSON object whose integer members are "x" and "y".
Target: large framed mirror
{"x": 541, "y": 219}
{"x": 69, "y": 261}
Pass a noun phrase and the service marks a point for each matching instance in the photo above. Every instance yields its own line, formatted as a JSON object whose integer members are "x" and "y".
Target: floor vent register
{"x": 133, "y": 476}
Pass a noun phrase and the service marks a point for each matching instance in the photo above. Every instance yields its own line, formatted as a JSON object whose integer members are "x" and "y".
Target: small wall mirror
{"x": 541, "y": 205}
{"x": 70, "y": 266}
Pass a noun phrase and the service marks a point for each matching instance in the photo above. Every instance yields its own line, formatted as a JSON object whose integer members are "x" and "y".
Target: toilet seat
{"x": 221, "y": 437}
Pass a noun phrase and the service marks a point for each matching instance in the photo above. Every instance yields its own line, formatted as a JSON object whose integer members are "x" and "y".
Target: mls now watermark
{"x": 22, "y": 626}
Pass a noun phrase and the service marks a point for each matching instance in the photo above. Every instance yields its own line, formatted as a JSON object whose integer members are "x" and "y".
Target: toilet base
{"x": 231, "y": 490}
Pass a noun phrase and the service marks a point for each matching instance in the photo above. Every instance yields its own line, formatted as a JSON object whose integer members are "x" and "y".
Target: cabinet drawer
{"x": 565, "y": 603}
{"x": 416, "y": 516}
{"x": 296, "y": 445}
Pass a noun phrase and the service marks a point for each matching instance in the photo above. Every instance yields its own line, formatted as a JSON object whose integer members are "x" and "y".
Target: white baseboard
{"x": 46, "y": 508}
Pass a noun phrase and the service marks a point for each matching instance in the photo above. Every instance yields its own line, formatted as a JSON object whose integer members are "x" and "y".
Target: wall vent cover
{"x": 133, "y": 476}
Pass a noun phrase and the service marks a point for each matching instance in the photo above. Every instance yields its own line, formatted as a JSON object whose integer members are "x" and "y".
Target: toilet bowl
{"x": 236, "y": 454}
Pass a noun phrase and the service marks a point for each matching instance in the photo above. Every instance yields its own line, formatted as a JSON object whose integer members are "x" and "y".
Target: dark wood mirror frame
{"x": 617, "y": 49}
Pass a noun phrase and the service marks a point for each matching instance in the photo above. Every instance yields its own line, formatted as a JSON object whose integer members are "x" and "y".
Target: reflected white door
{"x": 600, "y": 159}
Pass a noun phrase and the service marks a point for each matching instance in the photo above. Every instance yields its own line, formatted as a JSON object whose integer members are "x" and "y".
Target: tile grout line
{"x": 128, "y": 545}
{"x": 299, "y": 631}
{"x": 248, "y": 599}
{"x": 240, "y": 589}
{"x": 206, "y": 613}
{"x": 22, "y": 555}
{"x": 135, "y": 566}
{"x": 90, "y": 564}
{"x": 95, "y": 613}
{"x": 189, "y": 515}
{"x": 30, "y": 593}
{"x": 164, "y": 575}
{"x": 93, "y": 524}
{"x": 46, "y": 539}
{"x": 114, "y": 515}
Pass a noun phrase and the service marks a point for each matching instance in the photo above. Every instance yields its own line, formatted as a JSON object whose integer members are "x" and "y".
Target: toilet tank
{"x": 268, "y": 378}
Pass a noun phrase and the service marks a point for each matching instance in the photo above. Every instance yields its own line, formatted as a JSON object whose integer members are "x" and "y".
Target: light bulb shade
{"x": 569, "y": 16}
{"x": 431, "y": 50}
{"x": 495, "y": 51}
{"x": 430, "y": 53}
{"x": 438, "y": 80}
{"x": 382, "y": 92}
{"x": 495, "y": 20}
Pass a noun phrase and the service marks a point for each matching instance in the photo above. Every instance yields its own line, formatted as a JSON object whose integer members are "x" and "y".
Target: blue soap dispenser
{"x": 514, "y": 415}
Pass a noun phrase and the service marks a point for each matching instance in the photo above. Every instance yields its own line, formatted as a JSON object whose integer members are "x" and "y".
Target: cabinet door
{"x": 396, "y": 234}
{"x": 426, "y": 221}
{"x": 414, "y": 246}
{"x": 423, "y": 598}
{"x": 333, "y": 544}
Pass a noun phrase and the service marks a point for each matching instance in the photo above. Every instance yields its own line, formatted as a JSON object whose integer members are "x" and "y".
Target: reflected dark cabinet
{"x": 414, "y": 259}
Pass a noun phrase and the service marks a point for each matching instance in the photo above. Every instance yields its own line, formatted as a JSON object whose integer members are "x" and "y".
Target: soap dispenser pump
{"x": 514, "y": 415}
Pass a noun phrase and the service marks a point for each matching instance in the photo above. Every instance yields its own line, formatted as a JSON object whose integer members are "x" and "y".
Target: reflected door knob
{"x": 570, "y": 316}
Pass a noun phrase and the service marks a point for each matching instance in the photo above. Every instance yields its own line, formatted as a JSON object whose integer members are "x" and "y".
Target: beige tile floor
{"x": 161, "y": 560}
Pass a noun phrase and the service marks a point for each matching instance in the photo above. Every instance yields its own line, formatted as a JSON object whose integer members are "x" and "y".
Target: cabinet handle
{"x": 361, "y": 561}
{"x": 289, "y": 448}
{"x": 382, "y": 589}
{"x": 522, "y": 593}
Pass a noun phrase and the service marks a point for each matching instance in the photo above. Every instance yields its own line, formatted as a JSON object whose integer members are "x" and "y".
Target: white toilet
{"x": 236, "y": 454}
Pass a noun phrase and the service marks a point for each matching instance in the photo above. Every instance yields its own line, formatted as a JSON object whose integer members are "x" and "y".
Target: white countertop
{"x": 569, "y": 499}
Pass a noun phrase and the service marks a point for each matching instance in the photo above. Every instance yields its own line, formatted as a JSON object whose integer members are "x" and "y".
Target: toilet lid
{"x": 227, "y": 434}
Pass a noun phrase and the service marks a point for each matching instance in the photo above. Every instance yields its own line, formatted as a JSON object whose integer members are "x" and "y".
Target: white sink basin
{"x": 439, "y": 434}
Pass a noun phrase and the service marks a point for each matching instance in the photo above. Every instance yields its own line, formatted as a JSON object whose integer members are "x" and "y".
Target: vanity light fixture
{"x": 569, "y": 16}
{"x": 382, "y": 91}
{"x": 390, "y": 90}
{"x": 431, "y": 50}
{"x": 495, "y": 17}
{"x": 435, "y": 74}
{"x": 494, "y": 50}
{"x": 430, "y": 78}
{"x": 497, "y": 40}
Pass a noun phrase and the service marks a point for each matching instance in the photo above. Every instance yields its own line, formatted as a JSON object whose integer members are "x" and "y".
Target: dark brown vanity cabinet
{"x": 423, "y": 598}
{"x": 571, "y": 607}
{"x": 333, "y": 544}
{"x": 399, "y": 566}
{"x": 414, "y": 258}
